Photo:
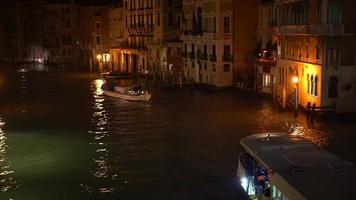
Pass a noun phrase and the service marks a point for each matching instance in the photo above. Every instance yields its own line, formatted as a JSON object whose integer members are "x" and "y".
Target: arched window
{"x": 312, "y": 85}
{"x": 200, "y": 19}
{"x": 333, "y": 82}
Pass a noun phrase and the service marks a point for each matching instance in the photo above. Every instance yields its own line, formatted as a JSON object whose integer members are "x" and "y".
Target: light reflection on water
{"x": 267, "y": 120}
{"x": 7, "y": 181}
{"x": 100, "y": 130}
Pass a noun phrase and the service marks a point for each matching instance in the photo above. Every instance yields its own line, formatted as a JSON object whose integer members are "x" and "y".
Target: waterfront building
{"x": 138, "y": 29}
{"x": 244, "y": 43}
{"x": 151, "y": 35}
{"x": 95, "y": 36}
{"x": 207, "y": 42}
{"x": 22, "y": 31}
{"x": 117, "y": 31}
{"x": 61, "y": 33}
{"x": 164, "y": 50}
{"x": 317, "y": 45}
{"x": 266, "y": 54}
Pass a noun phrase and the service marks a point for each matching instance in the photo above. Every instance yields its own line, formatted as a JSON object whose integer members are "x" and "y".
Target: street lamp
{"x": 295, "y": 80}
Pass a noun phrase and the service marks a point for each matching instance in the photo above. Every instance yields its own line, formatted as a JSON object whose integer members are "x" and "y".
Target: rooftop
{"x": 314, "y": 172}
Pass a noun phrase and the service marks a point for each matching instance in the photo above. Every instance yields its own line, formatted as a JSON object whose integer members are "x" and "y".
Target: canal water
{"x": 60, "y": 138}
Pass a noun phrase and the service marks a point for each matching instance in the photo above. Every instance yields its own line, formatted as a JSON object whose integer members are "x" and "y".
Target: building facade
{"x": 22, "y": 31}
{"x": 266, "y": 54}
{"x": 244, "y": 42}
{"x": 95, "y": 36}
{"x": 164, "y": 50}
{"x": 316, "y": 43}
{"x": 117, "y": 33}
{"x": 208, "y": 42}
{"x": 61, "y": 33}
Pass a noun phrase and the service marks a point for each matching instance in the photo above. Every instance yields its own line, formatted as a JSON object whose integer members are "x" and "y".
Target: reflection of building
{"x": 317, "y": 43}
{"x": 207, "y": 42}
{"x": 266, "y": 48}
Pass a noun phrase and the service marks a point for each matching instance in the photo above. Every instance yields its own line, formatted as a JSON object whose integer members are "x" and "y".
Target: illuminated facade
{"x": 151, "y": 26}
{"x": 316, "y": 42}
{"x": 117, "y": 31}
{"x": 208, "y": 42}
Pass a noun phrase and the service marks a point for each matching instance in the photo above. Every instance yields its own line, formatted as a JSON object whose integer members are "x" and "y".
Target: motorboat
{"x": 115, "y": 75}
{"x": 278, "y": 166}
{"x": 133, "y": 93}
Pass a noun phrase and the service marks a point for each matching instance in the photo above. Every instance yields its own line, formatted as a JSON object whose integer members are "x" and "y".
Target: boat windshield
{"x": 253, "y": 176}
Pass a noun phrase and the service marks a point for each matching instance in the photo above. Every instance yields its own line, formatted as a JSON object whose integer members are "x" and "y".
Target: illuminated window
{"x": 267, "y": 80}
{"x": 313, "y": 89}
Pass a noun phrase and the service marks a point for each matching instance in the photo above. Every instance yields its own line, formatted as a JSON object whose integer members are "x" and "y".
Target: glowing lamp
{"x": 295, "y": 79}
{"x": 98, "y": 57}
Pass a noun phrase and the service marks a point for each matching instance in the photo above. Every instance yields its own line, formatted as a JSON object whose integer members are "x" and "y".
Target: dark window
{"x": 226, "y": 67}
{"x": 98, "y": 25}
{"x": 226, "y": 50}
{"x": 226, "y": 24}
{"x": 170, "y": 19}
{"x": 98, "y": 40}
{"x": 333, "y": 81}
{"x": 317, "y": 52}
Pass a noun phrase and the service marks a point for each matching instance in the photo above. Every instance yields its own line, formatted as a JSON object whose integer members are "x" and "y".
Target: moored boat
{"x": 278, "y": 166}
{"x": 128, "y": 93}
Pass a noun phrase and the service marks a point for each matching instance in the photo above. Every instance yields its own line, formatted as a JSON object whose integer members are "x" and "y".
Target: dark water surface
{"x": 60, "y": 138}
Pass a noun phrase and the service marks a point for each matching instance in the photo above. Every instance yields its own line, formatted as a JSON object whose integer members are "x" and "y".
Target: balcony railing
{"x": 212, "y": 58}
{"x": 204, "y": 56}
{"x": 320, "y": 29}
{"x": 227, "y": 58}
{"x": 266, "y": 61}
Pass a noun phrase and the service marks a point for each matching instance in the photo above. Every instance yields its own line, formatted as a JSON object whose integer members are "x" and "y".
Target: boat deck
{"x": 312, "y": 171}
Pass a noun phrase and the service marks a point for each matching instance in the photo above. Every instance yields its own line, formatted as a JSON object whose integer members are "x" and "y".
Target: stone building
{"x": 22, "y": 31}
{"x": 208, "y": 42}
{"x": 244, "y": 42}
{"x": 95, "y": 36}
{"x": 317, "y": 44}
{"x": 61, "y": 33}
{"x": 117, "y": 33}
{"x": 164, "y": 50}
{"x": 266, "y": 54}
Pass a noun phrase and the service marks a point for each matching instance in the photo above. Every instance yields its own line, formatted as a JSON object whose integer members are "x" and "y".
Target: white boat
{"x": 279, "y": 166}
{"x": 128, "y": 93}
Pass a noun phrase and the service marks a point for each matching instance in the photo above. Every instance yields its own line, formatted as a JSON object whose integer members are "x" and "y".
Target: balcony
{"x": 192, "y": 55}
{"x": 227, "y": 58}
{"x": 266, "y": 61}
{"x": 212, "y": 58}
{"x": 320, "y": 29}
{"x": 209, "y": 36}
{"x": 204, "y": 57}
